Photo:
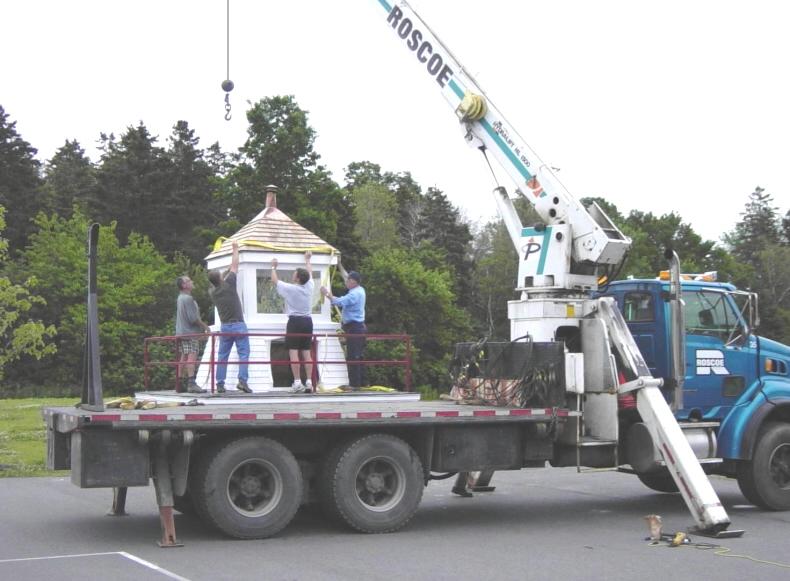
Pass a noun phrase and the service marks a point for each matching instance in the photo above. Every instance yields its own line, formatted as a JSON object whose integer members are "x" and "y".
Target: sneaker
{"x": 308, "y": 386}
{"x": 193, "y": 387}
{"x": 221, "y": 387}
{"x": 242, "y": 386}
{"x": 298, "y": 387}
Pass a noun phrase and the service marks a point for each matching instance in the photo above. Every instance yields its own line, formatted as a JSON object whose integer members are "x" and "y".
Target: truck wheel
{"x": 250, "y": 488}
{"x": 325, "y": 483}
{"x": 660, "y": 481}
{"x": 765, "y": 479}
{"x": 376, "y": 485}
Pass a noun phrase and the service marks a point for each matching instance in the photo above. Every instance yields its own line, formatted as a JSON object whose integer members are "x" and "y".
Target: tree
{"x": 757, "y": 244}
{"x": 134, "y": 186}
{"x": 495, "y": 274}
{"x": 69, "y": 179}
{"x": 772, "y": 278}
{"x": 20, "y": 183}
{"x": 375, "y": 215}
{"x": 193, "y": 210}
{"x": 408, "y": 196}
{"x": 441, "y": 225}
{"x": 19, "y": 335}
{"x": 136, "y": 299}
{"x": 652, "y": 234}
{"x": 405, "y": 297}
{"x": 758, "y": 228}
{"x": 279, "y": 150}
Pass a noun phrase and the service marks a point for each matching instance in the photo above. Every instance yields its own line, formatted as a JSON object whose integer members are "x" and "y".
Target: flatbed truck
{"x": 246, "y": 469}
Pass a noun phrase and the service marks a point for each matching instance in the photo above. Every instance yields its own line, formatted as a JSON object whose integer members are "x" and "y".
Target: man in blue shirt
{"x": 353, "y": 320}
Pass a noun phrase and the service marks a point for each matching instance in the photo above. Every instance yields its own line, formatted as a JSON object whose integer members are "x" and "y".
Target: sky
{"x": 673, "y": 106}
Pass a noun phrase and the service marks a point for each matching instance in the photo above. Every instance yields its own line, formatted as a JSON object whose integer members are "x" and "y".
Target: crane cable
{"x": 488, "y": 161}
{"x": 227, "y": 84}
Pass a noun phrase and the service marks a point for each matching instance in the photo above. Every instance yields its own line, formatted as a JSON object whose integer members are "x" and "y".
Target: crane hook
{"x": 227, "y": 86}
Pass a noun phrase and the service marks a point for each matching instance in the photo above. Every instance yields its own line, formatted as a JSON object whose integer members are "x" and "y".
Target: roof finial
{"x": 271, "y": 196}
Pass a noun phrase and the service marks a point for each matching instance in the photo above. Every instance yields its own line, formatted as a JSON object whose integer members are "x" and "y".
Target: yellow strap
{"x": 324, "y": 249}
{"x": 326, "y": 279}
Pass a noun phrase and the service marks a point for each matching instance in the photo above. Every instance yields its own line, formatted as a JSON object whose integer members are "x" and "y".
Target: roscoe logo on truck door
{"x": 711, "y": 362}
{"x": 415, "y": 41}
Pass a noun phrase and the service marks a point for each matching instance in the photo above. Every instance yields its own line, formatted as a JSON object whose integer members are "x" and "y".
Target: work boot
{"x": 298, "y": 387}
{"x": 193, "y": 387}
{"x": 221, "y": 387}
{"x": 242, "y": 386}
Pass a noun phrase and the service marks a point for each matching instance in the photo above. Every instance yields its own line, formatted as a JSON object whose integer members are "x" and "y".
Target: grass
{"x": 23, "y": 436}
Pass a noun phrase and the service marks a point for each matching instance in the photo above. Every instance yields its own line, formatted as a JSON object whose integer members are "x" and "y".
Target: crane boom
{"x": 559, "y": 264}
{"x": 577, "y": 240}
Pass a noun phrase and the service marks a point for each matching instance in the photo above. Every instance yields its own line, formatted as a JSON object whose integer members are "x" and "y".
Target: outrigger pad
{"x": 724, "y": 534}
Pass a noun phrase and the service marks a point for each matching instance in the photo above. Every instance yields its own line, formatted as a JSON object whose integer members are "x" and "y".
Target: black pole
{"x": 92, "y": 398}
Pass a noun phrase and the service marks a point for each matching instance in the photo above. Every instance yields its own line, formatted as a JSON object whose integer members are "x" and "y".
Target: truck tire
{"x": 660, "y": 481}
{"x": 376, "y": 484}
{"x": 325, "y": 483}
{"x": 249, "y": 488}
{"x": 765, "y": 479}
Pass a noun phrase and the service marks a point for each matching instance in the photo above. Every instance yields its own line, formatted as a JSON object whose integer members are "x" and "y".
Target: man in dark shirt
{"x": 234, "y": 330}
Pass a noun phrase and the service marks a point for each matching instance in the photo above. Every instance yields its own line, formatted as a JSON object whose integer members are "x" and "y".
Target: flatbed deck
{"x": 302, "y": 412}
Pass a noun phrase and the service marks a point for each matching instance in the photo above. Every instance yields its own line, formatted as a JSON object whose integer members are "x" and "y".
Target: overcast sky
{"x": 677, "y": 105}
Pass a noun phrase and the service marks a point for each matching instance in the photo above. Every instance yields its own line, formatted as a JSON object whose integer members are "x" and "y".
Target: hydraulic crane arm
{"x": 595, "y": 240}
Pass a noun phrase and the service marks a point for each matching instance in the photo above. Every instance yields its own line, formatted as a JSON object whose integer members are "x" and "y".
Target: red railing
{"x": 149, "y": 364}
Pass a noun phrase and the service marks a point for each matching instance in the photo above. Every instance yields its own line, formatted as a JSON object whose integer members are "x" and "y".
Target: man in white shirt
{"x": 298, "y": 298}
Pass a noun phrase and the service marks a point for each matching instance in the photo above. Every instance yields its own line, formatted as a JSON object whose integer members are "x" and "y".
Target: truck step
{"x": 589, "y": 441}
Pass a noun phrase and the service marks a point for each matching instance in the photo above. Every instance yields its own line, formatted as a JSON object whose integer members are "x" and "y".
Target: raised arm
{"x": 342, "y": 270}
{"x": 309, "y": 267}
{"x": 234, "y": 262}
{"x": 275, "y": 279}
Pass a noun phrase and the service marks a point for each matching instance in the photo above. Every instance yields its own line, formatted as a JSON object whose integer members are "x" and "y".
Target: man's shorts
{"x": 187, "y": 346}
{"x": 299, "y": 325}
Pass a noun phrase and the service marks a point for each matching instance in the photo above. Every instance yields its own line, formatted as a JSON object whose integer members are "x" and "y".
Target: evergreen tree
{"x": 70, "y": 179}
{"x": 134, "y": 186}
{"x": 192, "y": 208}
{"x": 440, "y": 224}
{"x": 759, "y": 227}
{"x": 20, "y": 183}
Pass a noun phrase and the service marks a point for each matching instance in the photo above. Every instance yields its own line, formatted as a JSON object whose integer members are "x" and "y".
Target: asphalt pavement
{"x": 537, "y": 524}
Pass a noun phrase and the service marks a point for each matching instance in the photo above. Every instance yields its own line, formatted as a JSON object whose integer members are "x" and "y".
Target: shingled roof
{"x": 273, "y": 231}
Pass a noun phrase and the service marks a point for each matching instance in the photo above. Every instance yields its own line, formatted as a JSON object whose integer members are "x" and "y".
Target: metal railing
{"x": 171, "y": 343}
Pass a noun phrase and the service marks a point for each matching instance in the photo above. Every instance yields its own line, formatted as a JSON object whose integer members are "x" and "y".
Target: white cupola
{"x": 272, "y": 234}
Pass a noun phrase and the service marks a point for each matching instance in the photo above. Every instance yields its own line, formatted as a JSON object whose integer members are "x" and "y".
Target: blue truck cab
{"x": 736, "y": 382}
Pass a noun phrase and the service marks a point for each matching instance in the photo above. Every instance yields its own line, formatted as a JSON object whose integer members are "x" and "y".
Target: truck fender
{"x": 740, "y": 429}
